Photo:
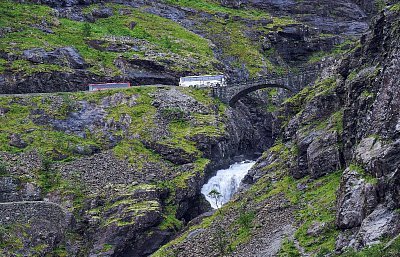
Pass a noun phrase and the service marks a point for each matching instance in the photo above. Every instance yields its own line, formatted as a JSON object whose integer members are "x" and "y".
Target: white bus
{"x": 203, "y": 81}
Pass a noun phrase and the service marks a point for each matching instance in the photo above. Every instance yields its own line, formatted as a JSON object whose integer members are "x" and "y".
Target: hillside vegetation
{"x": 64, "y": 48}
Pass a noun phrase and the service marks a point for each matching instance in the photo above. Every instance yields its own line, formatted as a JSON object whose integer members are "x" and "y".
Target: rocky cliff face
{"x": 330, "y": 185}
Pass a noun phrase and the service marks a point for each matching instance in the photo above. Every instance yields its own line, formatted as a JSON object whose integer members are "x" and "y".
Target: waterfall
{"x": 226, "y": 182}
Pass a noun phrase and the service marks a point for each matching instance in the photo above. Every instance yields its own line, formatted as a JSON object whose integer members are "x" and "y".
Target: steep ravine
{"x": 329, "y": 186}
{"x": 113, "y": 173}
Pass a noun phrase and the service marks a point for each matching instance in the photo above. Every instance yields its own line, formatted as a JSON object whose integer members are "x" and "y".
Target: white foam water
{"x": 226, "y": 182}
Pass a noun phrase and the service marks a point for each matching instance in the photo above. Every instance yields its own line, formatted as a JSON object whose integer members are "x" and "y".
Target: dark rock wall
{"x": 353, "y": 125}
{"x": 371, "y": 136}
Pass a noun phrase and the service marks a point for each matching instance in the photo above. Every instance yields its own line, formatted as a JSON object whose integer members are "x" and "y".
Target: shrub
{"x": 3, "y": 168}
{"x": 86, "y": 30}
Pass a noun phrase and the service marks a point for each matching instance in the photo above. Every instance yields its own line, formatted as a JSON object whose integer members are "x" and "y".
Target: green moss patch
{"x": 159, "y": 35}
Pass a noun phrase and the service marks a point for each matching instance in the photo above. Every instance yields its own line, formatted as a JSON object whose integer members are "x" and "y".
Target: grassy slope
{"x": 158, "y": 34}
{"x": 230, "y": 34}
{"x": 158, "y": 39}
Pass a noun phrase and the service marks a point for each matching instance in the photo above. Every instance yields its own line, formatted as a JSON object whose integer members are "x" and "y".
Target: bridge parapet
{"x": 235, "y": 90}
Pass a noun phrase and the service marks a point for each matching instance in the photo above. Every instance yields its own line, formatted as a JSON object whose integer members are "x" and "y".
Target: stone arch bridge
{"x": 291, "y": 82}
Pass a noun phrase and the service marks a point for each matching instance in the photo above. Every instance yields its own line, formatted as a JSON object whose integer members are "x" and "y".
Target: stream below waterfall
{"x": 226, "y": 182}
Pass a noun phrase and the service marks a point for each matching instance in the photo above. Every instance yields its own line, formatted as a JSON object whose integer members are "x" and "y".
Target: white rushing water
{"x": 226, "y": 182}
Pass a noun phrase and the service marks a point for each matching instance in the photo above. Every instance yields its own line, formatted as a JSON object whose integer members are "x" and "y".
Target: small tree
{"x": 214, "y": 194}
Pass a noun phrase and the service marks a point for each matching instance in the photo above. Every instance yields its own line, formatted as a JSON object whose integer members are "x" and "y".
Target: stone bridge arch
{"x": 243, "y": 92}
{"x": 231, "y": 93}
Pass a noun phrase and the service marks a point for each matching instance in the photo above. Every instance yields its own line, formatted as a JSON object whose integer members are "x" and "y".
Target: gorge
{"x": 127, "y": 172}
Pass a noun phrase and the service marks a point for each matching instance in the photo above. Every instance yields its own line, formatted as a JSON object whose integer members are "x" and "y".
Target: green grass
{"x": 230, "y": 34}
{"x": 395, "y": 8}
{"x": 170, "y": 222}
{"x": 28, "y": 68}
{"x": 41, "y": 137}
{"x": 379, "y": 250}
{"x": 367, "y": 177}
{"x": 12, "y": 240}
{"x": 3, "y": 63}
{"x": 159, "y": 35}
{"x": 244, "y": 225}
{"x": 213, "y": 7}
{"x": 233, "y": 42}
{"x": 338, "y": 50}
{"x": 318, "y": 206}
{"x": 288, "y": 249}
{"x": 321, "y": 88}
{"x": 45, "y": 140}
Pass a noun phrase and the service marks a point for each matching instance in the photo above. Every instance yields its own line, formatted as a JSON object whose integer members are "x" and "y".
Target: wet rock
{"x": 356, "y": 200}
{"x": 148, "y": 243}
{"x": 316, "y": 228}
{"x": 68, "y": 56}
{"x": 17, "y": 141}
{"x": 380, "y": 224}
{"x": 323, "y": 155}
{"x": 102, "y": 12}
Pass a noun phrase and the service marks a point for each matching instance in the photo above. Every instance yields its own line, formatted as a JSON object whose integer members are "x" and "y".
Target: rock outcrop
{"x": 126, "y": 167}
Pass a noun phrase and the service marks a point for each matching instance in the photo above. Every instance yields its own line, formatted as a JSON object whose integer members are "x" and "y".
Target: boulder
{"x": 323, "y": 155}
{"x": 356, "y": 199}
{"x": 380, "y": 224}
{"x": 3, "y": 111}
{"x": 369, "y": 150}
{"x": 36, "y": 55}
{"x": 69, "y": 56}
{"x": 102, "y": 12}
{"x": 13, "y": 190}
{"x": 65, "y": 56}
{"x": 17, "y": 141}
